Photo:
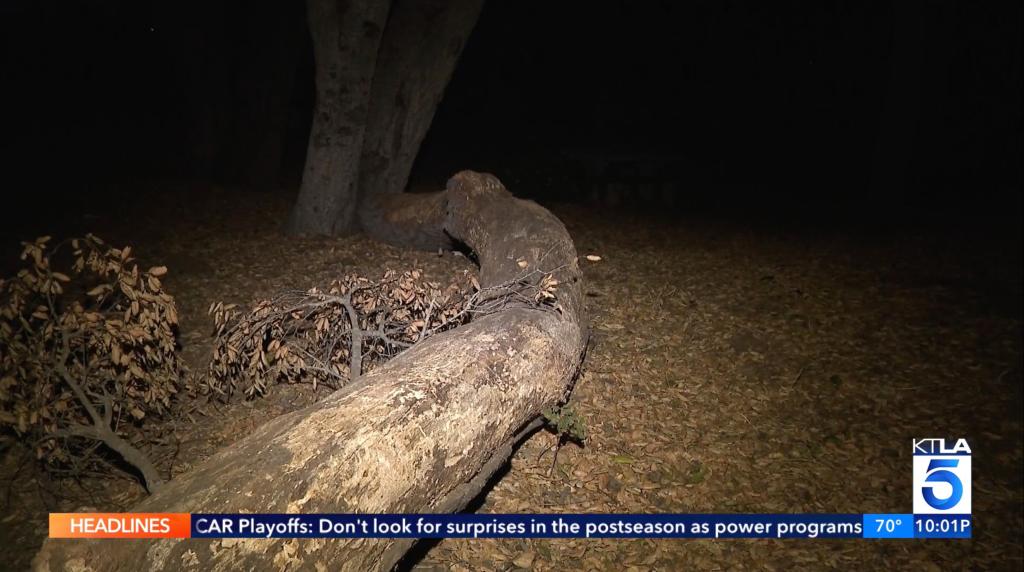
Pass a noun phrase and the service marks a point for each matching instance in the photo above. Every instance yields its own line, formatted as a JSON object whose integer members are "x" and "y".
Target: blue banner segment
{"x": 942, "y": 526}
{"x": 527, "y": 525}
{"x": 888, "y": 526}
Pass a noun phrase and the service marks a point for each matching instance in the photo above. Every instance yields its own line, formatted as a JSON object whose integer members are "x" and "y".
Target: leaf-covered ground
{"x": 740, "y": 369}
{"x": 735, "y": 367}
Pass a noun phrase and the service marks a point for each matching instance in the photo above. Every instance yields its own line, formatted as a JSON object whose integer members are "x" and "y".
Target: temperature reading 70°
{"x": 888, "y": 524}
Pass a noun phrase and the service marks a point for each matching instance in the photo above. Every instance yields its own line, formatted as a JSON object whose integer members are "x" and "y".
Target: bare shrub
{"x": 85, "y": 353}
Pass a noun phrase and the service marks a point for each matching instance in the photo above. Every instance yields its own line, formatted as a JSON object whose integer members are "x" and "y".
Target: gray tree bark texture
{"x": 346, "y": 35}
{"x": 421, "y": 433}
{"x": 418, "y": 53}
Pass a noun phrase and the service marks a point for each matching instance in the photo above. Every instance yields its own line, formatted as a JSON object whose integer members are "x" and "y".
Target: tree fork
{"x": 418, "y": 53}
{"x": 422, "y": 433}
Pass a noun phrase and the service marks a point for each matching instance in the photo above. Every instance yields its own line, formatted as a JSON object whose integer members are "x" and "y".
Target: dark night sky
{"x": 785, "y": 99}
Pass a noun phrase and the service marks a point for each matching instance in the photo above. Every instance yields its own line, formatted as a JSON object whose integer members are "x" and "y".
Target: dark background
{"x": 778, "y": 105}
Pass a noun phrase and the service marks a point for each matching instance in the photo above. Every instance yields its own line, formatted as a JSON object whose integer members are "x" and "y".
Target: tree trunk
{"x": 346, "y": 35}
{"x": 422, "y": 433}
{"x": 421, "y": 45}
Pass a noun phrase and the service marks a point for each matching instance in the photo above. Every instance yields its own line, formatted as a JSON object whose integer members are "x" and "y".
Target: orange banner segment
{"x": 120, "y": 525}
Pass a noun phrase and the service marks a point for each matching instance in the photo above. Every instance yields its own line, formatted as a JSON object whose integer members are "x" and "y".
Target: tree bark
{"x": 419, "y": 434}
{"x": 346, "y": 35}
{"x": 418, "y": 53}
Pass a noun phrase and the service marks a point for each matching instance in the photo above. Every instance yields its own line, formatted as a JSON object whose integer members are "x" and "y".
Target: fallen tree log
{"x": 422, "y": 433}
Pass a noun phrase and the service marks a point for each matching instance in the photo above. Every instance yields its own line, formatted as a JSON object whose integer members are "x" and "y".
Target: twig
{"x": 554, "y": 458}
{"x": 356, "y": 343}
{"x": 430, "y": 313}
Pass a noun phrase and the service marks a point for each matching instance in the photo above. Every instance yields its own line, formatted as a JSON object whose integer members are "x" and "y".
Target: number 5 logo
{"x": 937, "y": 473}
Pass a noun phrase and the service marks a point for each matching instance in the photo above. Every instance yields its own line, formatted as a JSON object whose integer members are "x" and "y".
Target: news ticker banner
{"x": 694, "y": 526}
{"x": 941, "y": 491}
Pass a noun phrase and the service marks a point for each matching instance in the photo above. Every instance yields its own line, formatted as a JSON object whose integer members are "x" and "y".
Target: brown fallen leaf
{"x": 525, "y": 560}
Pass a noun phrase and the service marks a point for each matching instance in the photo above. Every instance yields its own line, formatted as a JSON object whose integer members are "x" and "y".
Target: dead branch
{"x": 100, "y": 430}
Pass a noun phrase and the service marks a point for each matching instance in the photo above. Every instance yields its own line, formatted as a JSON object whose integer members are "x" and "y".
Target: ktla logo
{"x": 942, "y": 477}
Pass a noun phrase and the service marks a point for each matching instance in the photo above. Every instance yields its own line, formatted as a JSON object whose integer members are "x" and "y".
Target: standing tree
{"x": 345, "y": 36}
{"x": 377, "y": 88}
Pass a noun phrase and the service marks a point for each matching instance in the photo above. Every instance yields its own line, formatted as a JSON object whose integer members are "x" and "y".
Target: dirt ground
{"x": 735, "y": 367}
